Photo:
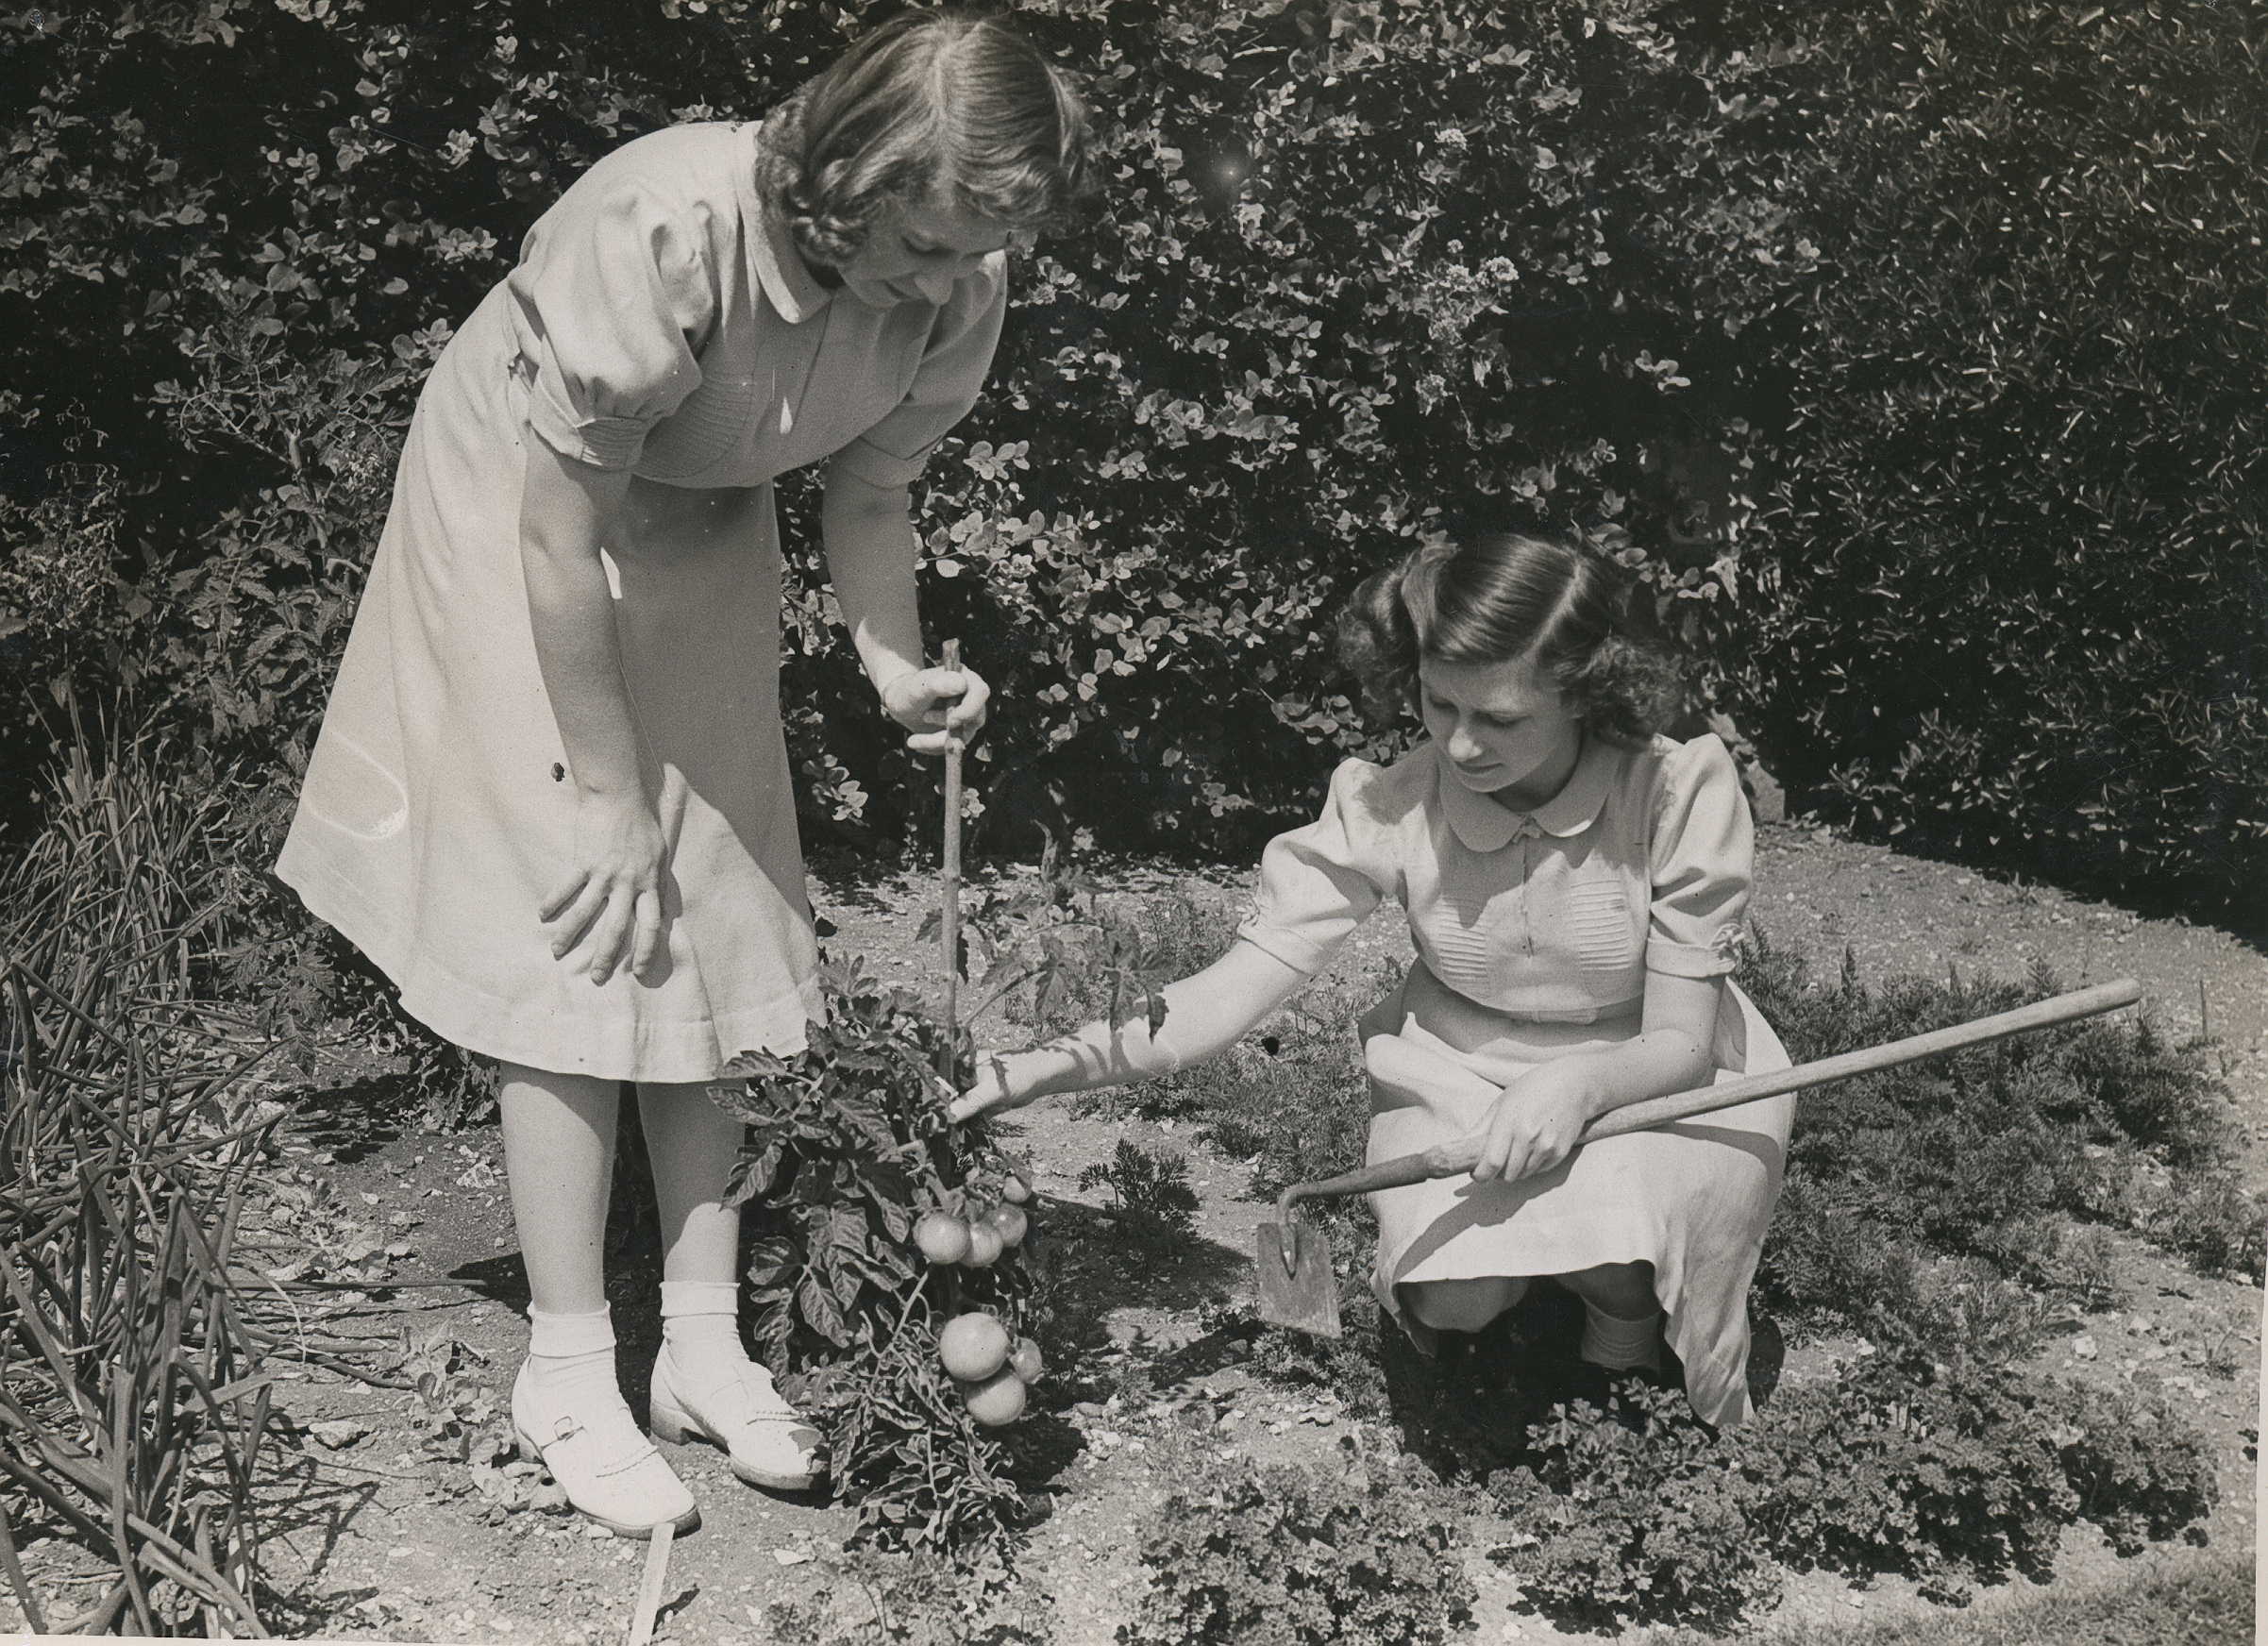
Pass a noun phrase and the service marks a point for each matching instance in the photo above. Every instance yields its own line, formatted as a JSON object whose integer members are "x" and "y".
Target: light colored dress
{"x": 659, "y": 321}
{"x": 1534, "y": 934}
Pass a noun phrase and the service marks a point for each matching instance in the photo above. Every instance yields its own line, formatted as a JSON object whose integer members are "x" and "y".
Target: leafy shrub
{"x": 2139, "y": 1471}
{"x": 1284, "y": 1555}
{"x": 1989, "y": 1157}
{"x": 1954, "y": 1473}
{"x": 1363, "y": 272}
{"x": 1311, "y": 322}
{"x": 1150, "y": 1188}
{"x": 2010, "y": 515}
{"x": 1631, "y": 1512}
{"x": 1890, "y": 1469}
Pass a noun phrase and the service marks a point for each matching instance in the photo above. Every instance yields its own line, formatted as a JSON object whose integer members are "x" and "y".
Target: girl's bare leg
{"x": 558, "y": 1159}
{"x": 567, "y": 1402}
{"x": 692, "y": 1144}
{"x": 704, "y": 1382}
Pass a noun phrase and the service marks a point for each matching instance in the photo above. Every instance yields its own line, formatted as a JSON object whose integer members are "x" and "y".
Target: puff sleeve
{"x": 1700, "y": 862}
{"x": 946, "y": 384}
{"x": 611, "y": 296}
{"x": 1319, "y": 882}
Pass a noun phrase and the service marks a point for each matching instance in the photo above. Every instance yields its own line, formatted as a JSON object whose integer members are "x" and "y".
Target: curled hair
{"x": 930, "y": 101}
{"x": 1502, "y": 598}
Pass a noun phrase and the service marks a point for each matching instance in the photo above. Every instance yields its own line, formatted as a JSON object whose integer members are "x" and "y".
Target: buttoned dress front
{"x": 659, "y": 321}
{"x": 1534, "y": 932}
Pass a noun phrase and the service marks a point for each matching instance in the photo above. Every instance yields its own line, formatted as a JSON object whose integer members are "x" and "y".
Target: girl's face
{"x": 916, "y": 254}
{"x": 1506, "y": 728}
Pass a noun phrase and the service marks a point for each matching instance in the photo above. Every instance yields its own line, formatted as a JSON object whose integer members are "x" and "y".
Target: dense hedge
{"x": 1363, "y": 271}
{"x": 2017, "y": 528}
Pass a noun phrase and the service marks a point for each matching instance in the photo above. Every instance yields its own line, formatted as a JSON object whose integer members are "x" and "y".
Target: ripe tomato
{"x": 1000, "y": 1400}
{"x": 1009, "y": 1222}
{"x": 985, "y": 1246}
{"x": 973, "y": 1346}
{"x": 942, "y": 1236}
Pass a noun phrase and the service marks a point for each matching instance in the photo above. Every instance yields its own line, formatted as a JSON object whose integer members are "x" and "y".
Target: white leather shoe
{"x": 609, "y": 1470}
{"x": 770, "y": 1442}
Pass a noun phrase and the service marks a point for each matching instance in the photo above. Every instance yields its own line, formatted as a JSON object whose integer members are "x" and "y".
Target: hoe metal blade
{"x": 1298, "y": 1287}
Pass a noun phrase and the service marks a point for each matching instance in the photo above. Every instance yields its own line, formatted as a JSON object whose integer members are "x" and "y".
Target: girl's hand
{"x": 610, "y": 896}
{"x": 1004, "y": 1081}
{"x": 1534, "y": 1126}
{"x": 919, "y": 700}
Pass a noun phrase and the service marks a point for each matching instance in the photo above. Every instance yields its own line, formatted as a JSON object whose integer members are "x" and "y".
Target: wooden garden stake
{"x": 951, "y": 925}
{"x": 650, "y": 1591}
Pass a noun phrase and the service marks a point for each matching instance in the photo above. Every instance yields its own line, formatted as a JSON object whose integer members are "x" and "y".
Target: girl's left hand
{"x": 1534, "y": 1126}
{"x": 937, "y": 705}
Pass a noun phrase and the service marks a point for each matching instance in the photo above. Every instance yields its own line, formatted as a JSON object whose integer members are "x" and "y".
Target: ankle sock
{"x": 1620, "y": 1344}
{"x": 571, "y": 1361}
{"x": 700, "y": 1327}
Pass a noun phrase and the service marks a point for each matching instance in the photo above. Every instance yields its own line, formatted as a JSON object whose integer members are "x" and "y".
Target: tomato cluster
{"x": 977, "y": 1240}
{"x": 993, "y": 1368}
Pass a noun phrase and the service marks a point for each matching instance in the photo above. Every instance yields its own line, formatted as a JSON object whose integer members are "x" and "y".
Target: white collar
{"x": 1481, "y": 824}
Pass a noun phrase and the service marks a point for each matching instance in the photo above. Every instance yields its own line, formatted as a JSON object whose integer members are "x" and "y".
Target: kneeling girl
{"x": 1575, "y": 886}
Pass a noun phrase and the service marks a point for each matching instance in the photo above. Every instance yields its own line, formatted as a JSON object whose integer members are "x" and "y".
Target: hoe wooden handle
{"x": 1459, "y": 1155}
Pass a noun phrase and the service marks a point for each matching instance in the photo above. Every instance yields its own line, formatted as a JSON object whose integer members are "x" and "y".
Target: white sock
{"x": 700, "y": 1327}
{"x": 571, "y": 1361}
{"x": 1620, "y": 1344}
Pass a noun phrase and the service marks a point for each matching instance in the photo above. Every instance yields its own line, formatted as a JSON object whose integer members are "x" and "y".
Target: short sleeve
{"x": 613, "y": 291}
{"x": 1319, "y": 882}
{"x": 946, "y": 385}
{"x": 1700, "y": 862}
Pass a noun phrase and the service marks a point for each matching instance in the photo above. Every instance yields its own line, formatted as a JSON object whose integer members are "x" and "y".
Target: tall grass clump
{"x": 133, "y": 1420}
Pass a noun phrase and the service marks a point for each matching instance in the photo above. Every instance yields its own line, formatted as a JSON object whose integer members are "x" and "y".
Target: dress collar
{"x": 780, "y": 269}
{"x": 1481, "y": 824}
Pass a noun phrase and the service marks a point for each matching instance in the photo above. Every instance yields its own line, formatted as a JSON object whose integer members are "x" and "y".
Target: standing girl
{"x": 551, "y": 797}
{"x": 1575, "y": 886}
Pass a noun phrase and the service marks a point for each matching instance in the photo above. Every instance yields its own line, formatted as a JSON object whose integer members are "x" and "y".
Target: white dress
{"x": 1534, "y": 934}
{"x": 659, "y": 321}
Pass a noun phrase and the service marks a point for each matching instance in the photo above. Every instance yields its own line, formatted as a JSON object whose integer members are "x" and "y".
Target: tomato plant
{"x": 863, "y": 1193}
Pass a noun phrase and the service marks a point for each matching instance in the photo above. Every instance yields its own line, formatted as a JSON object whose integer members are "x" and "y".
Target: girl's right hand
{"x": 999, "y": 1085}
{"x": 610, "y": 896}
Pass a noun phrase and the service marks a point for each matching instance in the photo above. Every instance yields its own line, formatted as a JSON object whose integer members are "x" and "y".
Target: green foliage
{"x": 129, "y": 1344}
{"x": 2012, "y": 510}
{"x": 1361, "y": 272}
{"x": 1286, "y": 1555}
{"x": 1311, "y": 321}
{"x": 1954, "y": 1474}
{"x": 1935, "y": 1202}
{"x": 1631, "y": 1512}
{"x": 1150, "y": 1188}
{"x": 849, "y": 1144}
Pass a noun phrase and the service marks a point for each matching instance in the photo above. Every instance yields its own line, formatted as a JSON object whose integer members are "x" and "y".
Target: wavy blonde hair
{"x": 930, "y": 101}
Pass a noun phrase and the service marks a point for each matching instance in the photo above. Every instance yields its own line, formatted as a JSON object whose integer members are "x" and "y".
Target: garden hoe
{"x": 1297, "y": 1287}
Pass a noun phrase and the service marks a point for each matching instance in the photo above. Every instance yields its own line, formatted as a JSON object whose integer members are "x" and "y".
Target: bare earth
{"x": 383, "y": 1543}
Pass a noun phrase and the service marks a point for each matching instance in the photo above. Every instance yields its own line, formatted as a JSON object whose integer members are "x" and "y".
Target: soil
{"x": 377, "y": 1540}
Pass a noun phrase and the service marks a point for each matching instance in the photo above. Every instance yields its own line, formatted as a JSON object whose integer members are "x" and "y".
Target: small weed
{"x": 1149, "y": 1189}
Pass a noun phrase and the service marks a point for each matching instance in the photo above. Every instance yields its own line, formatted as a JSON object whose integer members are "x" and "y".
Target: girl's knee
{"x": 1462, "y": 1305}
{"x": 1618, "y": 1287}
